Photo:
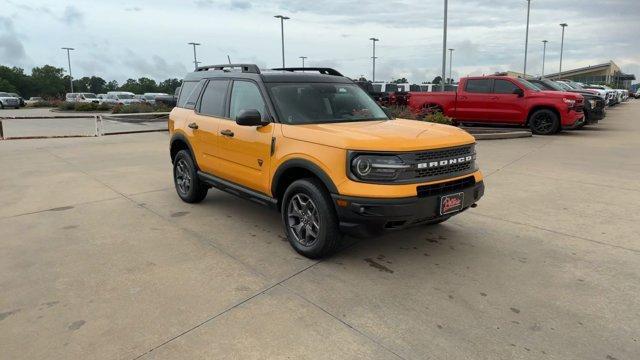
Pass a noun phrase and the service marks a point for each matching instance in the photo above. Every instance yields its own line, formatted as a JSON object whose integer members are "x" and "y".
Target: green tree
{"x": 97, "y": 85}
{"x": 20, "y": 82}
{"x": 147, "y": 85}
{"x": 6, "y": 86}
{"x": 169, "y": 86}
{"x": 48, "y": 81}
{"x": 111, "y": 86}
{"x": 131, "y": 85}
{"x": 400, "y": 81}
{"x": 437, "y": 80}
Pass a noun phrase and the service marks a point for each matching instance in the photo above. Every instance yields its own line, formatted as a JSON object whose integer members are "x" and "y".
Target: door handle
{"x": 227, "y": 132}
{"x": 193, "y": 125}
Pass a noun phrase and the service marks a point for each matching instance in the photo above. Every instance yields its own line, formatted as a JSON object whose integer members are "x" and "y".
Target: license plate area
{"x": 451, "y": 203}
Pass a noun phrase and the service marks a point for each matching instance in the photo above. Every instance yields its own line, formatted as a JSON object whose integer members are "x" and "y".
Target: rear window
{"x": 391, "y": 88}
{"x": 478, "y": 86}
{"x": 187, "y": 88}
{"x": 212, "y": 102}
{"x": 504, "y": 87}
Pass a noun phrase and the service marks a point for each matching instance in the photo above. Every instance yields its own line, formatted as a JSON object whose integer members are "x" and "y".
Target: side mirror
{"x": 519, "y": 92}
{"x": 250, "y": 117}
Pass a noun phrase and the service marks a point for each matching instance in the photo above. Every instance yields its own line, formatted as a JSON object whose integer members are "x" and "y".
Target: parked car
{"x": 504, "y": 100}
{"x": 22, "y": 103}
{"x": 102, "y": 97}
{"x": 328, "y": 158}
{"x": 437, "y": 87}
{"x": 611, "y": 95}
{"x": 151, "y": 97}
{"x": 34, "y": 99}
{"x": 168, "y": 100}
{"x": 121, "y": 98}
{"x": 8, "y": 101}
{"x": 82, "y": 98}
{"x": 637, "y": 94}
{"x": 593, "y": 104}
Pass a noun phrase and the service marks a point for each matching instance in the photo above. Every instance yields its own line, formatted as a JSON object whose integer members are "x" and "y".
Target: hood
{"x": 562, "y": 94}
{"x": 385, "y": 135}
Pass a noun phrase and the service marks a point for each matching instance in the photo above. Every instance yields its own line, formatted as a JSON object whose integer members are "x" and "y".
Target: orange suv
{"x": 316, "y": 147}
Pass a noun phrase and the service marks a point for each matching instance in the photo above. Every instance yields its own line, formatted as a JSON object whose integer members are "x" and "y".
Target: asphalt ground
{"x": 99, "y": 259}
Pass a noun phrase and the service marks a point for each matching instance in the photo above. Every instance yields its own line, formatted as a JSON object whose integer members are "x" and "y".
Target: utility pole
{"x": 302, "y": 57}
{"x": 526, "y": 40}
{"x": 373, "y": 75}
{"x": 69, "y": 62}
{"x": 544, "y": 54}
{"x": 195, "y": 59}
{"x": 450, "y": 64}
{"x": 444, "y": 44}
{"x": 564, "y": 25}
{"x": 282, "y": 19}
{"x": 228, "y": 59}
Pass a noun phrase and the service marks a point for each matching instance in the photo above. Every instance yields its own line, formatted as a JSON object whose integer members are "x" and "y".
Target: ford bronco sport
{"x": 313, "y": 145}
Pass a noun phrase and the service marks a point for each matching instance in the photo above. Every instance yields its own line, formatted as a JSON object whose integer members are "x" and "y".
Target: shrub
{"x": 139, "y": 108}
{"x": 404, "y": 112}
{"x": 86, "y": 107}
{"x": 45, "y": 103}
{"x": 438, "y": 118}
{"x": 65, "y": 105}
{"x": 104, "y": 107}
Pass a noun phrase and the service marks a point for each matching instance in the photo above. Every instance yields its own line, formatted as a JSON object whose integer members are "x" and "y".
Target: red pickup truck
{"x": 503, "y": 100}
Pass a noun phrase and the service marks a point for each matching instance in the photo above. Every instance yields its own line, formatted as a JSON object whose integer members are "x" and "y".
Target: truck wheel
{"x": 544, "y": 122}
{"x": 309, "y": 219}
{"x": 188, "y": 185}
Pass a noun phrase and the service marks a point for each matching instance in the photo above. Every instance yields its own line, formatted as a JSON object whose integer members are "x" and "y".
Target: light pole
{"x": 444, "y": 44}
{"x": 564, "y": 25}
{"x": 450, "y": 64}
{"x": 195, "y": 59}
{"x": 544, "y": 54}
{"x": 373, "y": 75}
{"x": 526, "y": 40}
{"x": 302, "y": 57}
{"x": 69, "y": 62}
{"x": 282, "y": 19}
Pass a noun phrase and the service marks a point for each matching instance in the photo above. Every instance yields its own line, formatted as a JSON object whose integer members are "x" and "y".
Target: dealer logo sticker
{"x": 451, "y": 203}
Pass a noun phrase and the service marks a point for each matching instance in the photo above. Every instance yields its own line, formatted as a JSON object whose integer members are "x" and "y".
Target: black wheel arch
{"x": 294, "y": 169}
{"x": 179, "y": 142}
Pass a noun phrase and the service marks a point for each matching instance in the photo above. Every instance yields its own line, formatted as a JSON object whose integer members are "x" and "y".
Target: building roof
{"x": 582, "y": 69}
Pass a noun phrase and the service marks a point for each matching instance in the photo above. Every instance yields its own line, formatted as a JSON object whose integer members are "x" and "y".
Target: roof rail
{"x": 321, "y": 70}
{"x": 246, "y": 68}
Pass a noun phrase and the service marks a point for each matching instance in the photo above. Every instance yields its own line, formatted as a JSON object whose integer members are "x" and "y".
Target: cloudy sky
{"x": 122, "y": 39}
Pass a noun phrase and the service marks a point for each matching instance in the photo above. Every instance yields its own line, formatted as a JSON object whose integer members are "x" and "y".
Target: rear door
{"x": 210, "y": 111}
{"x": 474, "y": 101}
{"x": 507, "y": 107}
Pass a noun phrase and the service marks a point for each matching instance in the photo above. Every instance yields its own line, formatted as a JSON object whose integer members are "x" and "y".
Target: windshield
{"x": 564, "y": 86}
{"x": 548, "y": 84}
{"x": 313, "y": 103}
{"x": 89, "y": 95}
{"x": 125, "y": 96}
{"x": 528, "y": 85}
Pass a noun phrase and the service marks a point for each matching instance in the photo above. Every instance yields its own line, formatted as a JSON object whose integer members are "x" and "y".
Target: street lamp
{"x": 373, "y": 75}
{"x": 544, "y": 54}
{"x": 564, "y": 25}
{"x": 444, "y": 44}
{"x": 526, "y": 40}
{"x": 195, "y": 60}
{"x": 302, "y": 57}
{"x": 450, "y": 64}
{"x": 282, "y": 19}
{"x": 69, "y": 62}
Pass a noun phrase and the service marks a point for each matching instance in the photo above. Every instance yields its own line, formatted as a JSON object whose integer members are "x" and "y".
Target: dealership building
{"x": 607, "y": 73}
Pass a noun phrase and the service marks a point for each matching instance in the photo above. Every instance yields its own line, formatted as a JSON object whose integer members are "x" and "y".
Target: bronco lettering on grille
{"x": 433, "y": 164}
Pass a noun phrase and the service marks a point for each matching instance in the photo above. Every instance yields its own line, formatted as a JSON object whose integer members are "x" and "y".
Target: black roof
{"x": 251, "y": 71}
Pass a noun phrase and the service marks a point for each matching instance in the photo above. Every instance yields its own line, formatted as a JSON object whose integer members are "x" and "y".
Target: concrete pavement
{"x": 100, "y": 259}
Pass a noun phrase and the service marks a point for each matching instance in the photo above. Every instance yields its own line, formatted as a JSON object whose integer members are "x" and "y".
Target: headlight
{"x": 377, "y": 167}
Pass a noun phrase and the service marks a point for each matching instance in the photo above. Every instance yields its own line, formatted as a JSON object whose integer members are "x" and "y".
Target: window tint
{"x": 478, "y": 86}
{"x": 245, "y": 96}
{"x": 503, "y": 87}
{"x": 193, "y": 98}
{"x": 187, "y": 88}
{"x": 213, "y": 98}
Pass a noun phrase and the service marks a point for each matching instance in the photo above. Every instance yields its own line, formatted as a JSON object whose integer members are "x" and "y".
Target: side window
{"x": 504, "y": 87}
{"x": 212, "y": 102}
{"x": 187, "y": 88}
{"x": 482, "y": 86}
{"x": 193, "y": 98}
{"x": 245, "y": 96}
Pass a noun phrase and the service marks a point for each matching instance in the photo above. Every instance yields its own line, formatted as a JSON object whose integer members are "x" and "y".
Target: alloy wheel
{"x": 543, "y": 123}
{"x": 183, "y": 177}
{"x": 303, "y": 219}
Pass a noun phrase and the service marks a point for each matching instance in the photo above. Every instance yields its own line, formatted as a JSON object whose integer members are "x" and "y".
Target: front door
{"x": 507, "y": 107}
{"x": 245, "y": 151}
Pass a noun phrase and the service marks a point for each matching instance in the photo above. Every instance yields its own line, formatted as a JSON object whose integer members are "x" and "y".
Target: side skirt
{"x": 238, "y": 190}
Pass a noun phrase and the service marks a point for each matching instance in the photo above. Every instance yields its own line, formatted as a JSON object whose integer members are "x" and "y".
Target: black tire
{"x": 544, "y": 122}
{"x": 315, "y": 215}
{"x": 185, "y": 178}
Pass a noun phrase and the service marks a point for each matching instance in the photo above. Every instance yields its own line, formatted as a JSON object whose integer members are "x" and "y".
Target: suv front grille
{"x": 437, "y": 164}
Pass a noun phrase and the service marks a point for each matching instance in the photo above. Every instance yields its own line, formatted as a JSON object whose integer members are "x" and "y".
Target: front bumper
{"x": 578, "y": 121}
{"x": 364, "y": 217}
